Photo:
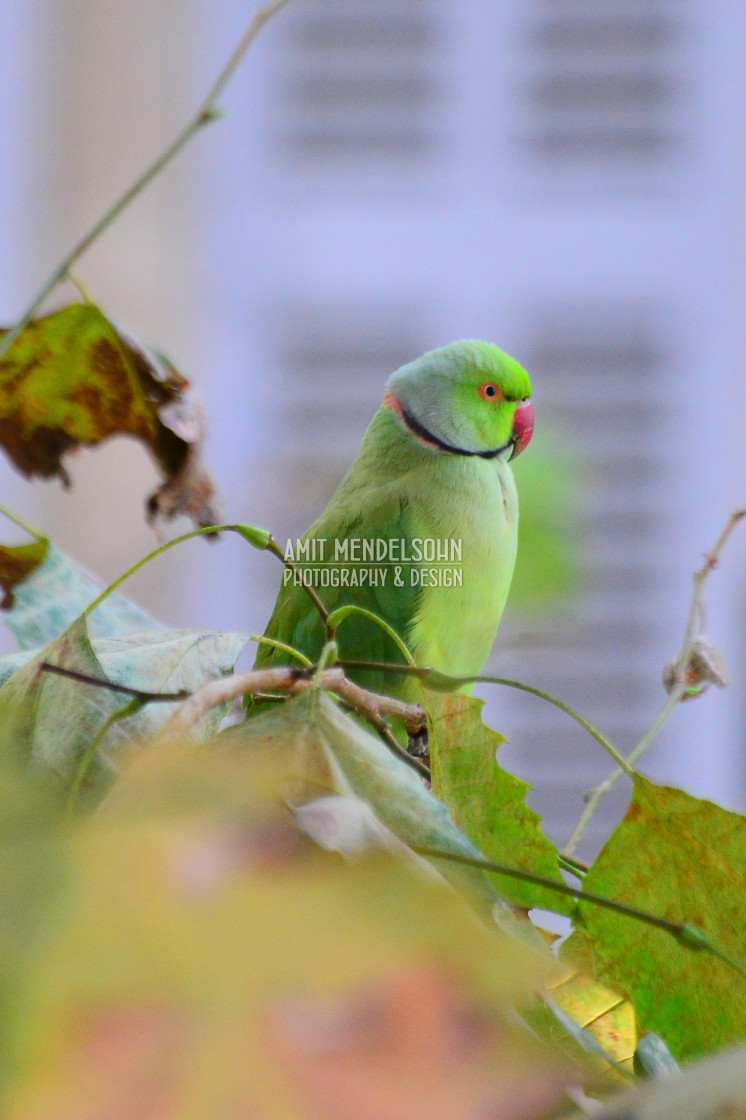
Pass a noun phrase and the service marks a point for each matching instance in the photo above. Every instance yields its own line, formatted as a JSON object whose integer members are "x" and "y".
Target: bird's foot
{"x": 418, "y": 744}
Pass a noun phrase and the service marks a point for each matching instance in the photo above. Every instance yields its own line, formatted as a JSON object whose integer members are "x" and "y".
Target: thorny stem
{"x": 206, "y": 113}
{"x": 594, "y": 797}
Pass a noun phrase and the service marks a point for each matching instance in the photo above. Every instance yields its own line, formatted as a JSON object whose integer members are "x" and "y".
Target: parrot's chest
{"x": 471, "y": 516}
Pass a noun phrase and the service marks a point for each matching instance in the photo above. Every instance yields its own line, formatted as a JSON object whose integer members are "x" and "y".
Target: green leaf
{"x": 52, "y": 591}
{"x": 51, "y": 720}
{"x": 685, "y": 859}
{"x": 72, "y": 378}
{"x": 487, "y": 802}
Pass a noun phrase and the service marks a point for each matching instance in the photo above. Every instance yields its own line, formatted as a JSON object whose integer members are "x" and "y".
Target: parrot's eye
{"x": 489, "y": 391}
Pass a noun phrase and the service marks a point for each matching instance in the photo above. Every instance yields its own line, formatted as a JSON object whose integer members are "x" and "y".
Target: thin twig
{"x": 86, "y": 761}
{"x": 422, "y": 673}
{"x": 261, "y": 16}
{"x": 274, "y": 548}
{"x": 21, "y": 523}
{"x": 680, "y": 683}
{"x": 205, "y": 530}
{"x": 273, "y": 643}
{"x": 135, "y": 693}
{"x": 206, "y": 113}
{"x": 685, "y": 934}
{"x": 337, "y": 617}
{"x": 563, "y": 707}
{"x": 711, "y": 559}
{"x": 258, "y": 538}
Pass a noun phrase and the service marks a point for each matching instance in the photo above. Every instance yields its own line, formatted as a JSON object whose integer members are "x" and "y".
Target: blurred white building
{"x": 565, "y": 178}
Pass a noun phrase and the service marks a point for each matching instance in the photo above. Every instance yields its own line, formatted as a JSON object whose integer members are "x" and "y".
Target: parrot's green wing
{"x": 373, "y": 586}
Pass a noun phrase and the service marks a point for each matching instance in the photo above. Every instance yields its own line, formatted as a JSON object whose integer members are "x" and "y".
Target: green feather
{"x": 402, "y": 488}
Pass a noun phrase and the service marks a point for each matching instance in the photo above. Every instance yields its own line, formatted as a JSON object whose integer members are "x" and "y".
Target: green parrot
{"x": 422, "y": 529}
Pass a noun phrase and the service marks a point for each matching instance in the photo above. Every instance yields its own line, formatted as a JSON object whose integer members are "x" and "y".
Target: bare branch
{"x": 690, "y": 668}
{"x": 206, "y": 113}
{"x": 372, "y": 706}
{"x": 413, "y": 716}
{"x": 186, "y": 721}
{"x": 682, "y": 666}
{"x": 261, "y": 16}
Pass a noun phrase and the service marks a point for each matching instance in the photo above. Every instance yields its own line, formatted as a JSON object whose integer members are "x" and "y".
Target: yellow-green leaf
{"x": 605, "y": 1012}
{"x": 684, "y": 859}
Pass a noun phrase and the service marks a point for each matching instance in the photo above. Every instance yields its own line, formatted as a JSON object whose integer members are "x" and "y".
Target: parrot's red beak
{"x": 523, "y": 428}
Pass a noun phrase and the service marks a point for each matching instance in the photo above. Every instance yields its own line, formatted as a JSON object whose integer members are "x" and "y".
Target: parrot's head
{"x": 468, "y": 398}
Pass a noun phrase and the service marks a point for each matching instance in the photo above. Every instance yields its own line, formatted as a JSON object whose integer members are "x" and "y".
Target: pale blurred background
{"x": 564, "y": 177}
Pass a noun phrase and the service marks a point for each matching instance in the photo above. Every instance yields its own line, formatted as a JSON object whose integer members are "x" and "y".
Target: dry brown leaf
{"x": 73, "y": 379}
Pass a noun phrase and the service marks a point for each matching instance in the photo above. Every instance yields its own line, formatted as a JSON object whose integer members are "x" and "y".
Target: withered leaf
{"x": 73, "y": 379}
{"x": 683, "y": 858}
{"x": 17, "y": 562}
